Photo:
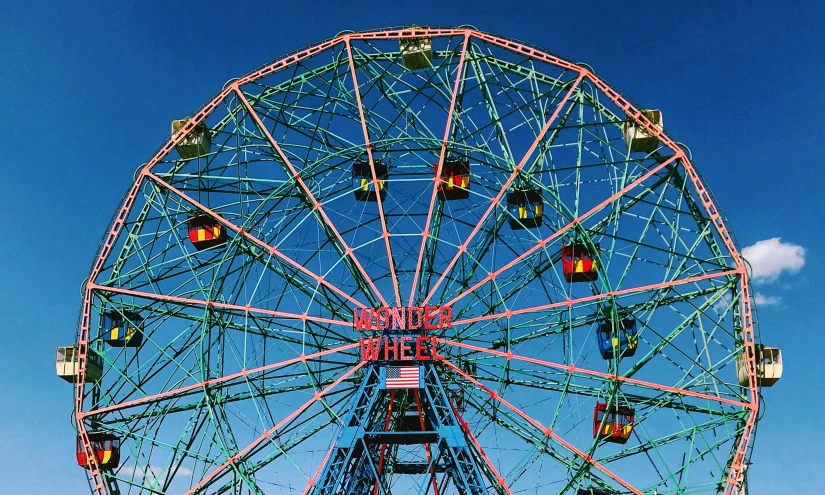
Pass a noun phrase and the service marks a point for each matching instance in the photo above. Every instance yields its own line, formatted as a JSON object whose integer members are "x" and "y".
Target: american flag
{"x": 403, "y": 377}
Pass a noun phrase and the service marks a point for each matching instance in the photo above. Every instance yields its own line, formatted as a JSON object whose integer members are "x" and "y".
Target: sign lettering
{"x": 408, "y": 318}
{"x": 406, "y": 348}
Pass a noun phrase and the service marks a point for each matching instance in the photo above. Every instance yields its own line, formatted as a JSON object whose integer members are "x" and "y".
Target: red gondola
{"x": 617, "y": 426}
{"x": 579, "y": 262}
{"x": 455, "y": 180}
{"x": 205, "y": 232}
{"x": 106, "y": 449}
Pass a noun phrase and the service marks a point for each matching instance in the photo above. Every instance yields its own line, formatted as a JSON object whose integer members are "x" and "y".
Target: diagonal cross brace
{"x": 352, "y": 465}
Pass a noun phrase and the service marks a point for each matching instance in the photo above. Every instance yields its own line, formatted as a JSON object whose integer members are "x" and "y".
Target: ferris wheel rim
{"x": 234, "y": 87}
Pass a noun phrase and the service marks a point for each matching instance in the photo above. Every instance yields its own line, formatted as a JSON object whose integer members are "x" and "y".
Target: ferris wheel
{"x": 418, "y": 261}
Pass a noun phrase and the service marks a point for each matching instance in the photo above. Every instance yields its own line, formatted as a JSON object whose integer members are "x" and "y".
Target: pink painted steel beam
{"x": 543, "y": 243}
{"x": 244, "y": 374}
{"x": 385, "y": 233}
{"x": 271, "y": 249}
{"x": 316, "y": 205}
{"x": 425, "y": 234}
{"x": 294, "y": 414}
{"x": 312, "y": 481}
{"x": 220, "y": 305}
{"x": 740, "y": 456}
{"x": 531, "y": 52}
{"x": 545, "y": 430}
{"x": 595, "y": 297}
{"x": 748, "y": 337}
{"x": 95, "y": 476}
{"x": 738, "y": 465}
{"x": 570, "y": 368}
{"x": 495, "y": 201}
{"x": 500, "y": 480}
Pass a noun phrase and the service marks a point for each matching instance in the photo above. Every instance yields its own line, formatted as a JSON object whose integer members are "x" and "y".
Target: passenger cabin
{"x": 470, "y": 367}
{"x": 455, "y": 180}
{"x": 579, "y": 262}
{"x": 637, "y": 137}
{"x": 105, "y": 448}
{"x": 362, "y": 184}
{"x": 526, "y": 209}
{"x": 617, "y": 338}
{"x": 459, "y": 401}
{"x": 612, "y": 423}
{"x": 196, "y": 143}
{"x": 122, "y": 329}
{"x": 68, "y": 366}
{"x": 205, "y": 232}
{"x": 417, "y": 49}
{"x": 768, "y": 366}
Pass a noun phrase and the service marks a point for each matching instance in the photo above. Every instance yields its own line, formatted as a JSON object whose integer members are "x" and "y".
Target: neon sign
{"x": 404, "y": 348}
{"x": 407, "y": 318}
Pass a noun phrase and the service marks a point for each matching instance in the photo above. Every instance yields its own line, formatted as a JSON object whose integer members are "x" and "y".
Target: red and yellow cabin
{"x": 105, "y": 448}
{"x": 205, "y": 232}
{"x": 122, "y": 329}
{"x": 579, "y": 262}
{"x": 613, "y": 423}
{"x": 455, "y": 180}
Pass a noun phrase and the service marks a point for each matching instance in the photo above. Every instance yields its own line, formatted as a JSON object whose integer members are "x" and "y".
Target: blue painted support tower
{"x": 372, "y": 427}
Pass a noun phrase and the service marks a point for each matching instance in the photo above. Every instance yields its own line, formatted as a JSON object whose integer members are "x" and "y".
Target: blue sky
{"x": 87, "y": 93}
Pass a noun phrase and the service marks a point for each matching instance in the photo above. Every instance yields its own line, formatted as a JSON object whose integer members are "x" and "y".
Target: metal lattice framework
{"x": 249, "y": 365}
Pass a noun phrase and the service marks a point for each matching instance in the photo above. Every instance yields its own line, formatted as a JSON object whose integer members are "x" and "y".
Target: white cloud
{"x": 723, "y": 303}
{"x": 770, "y": 258}
{"x": 760, "y": 299}
{"x": 763, "y": 300}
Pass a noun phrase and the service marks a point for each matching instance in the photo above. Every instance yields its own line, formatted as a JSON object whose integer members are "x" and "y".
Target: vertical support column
{"x": 353, "y": 465}
{"x": 345, "y": 468}
{"x": 462, "y": 465}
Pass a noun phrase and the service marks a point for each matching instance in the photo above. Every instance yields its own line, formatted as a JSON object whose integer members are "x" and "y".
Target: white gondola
{"x": 417, "y": 52}
{"x": 638, "y": 138}
{"x": 197, "y": 143}
{"x": 768, "y": 366}
{"x": 742, "y": 482}
{"x": 68, "y": 368}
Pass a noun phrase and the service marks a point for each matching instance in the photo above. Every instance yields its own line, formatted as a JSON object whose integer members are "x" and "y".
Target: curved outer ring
{"x": 740, "y": 456}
